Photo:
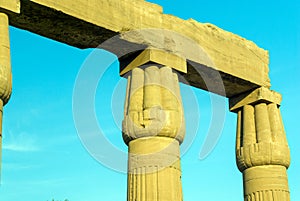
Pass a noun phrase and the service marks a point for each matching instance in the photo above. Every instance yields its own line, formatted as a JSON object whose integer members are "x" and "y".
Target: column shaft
{"x": 154, "y": 173}
{"x": 266, "y": 183}
{"x": 153, "y": 128}
{"x": 262, "y": 153}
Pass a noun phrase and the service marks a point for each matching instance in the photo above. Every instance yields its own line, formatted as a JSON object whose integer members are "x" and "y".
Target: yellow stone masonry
{"x": 262, "y": 151}
{"x": 5, "y": 70}
{"x": 151, "y": 46}
{"x": 153, "y": 104}
{"x": 87, "y": 24}
{"x": 153, "y": 128}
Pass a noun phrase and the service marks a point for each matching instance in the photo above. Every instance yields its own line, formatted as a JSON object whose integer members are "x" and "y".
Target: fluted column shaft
{"x": 153, "y": 128}
{"x": 5, "y": 69}
{"x": 262, "y": 152}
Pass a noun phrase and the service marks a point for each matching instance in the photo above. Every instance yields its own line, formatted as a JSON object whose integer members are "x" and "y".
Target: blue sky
{"x": 43, "y": 157}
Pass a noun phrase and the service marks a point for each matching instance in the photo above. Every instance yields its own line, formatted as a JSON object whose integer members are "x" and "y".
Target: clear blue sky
{"x": 43, "y": 157}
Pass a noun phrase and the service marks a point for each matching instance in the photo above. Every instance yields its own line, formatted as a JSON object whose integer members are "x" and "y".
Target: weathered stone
{"x": 261, "y": 94}
{"x": 154, "y": 172}
{"x": 241, "y": 64}
{"x": 157, "y": 56}
{"x": 10, "y": 5}
{"x": 5, "y": 70}
{"x": 262, "y": 151}
{"x": 153, "y": 104}
{"x": 153, "y": 128}
{"x": 266, "y": 183}
{"x": 210, "y": 58}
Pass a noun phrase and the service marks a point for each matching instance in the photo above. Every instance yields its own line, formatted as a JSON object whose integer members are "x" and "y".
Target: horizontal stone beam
{"x": 241, "y": 64}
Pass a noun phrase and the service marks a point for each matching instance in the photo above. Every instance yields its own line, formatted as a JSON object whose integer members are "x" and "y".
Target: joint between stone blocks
{"x": 262, "y": 94}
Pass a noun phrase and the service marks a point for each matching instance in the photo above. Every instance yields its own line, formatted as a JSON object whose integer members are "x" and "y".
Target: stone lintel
{"x": 10, "y": 5}
{"x": 261, "y": 94}
{"x": 242, "y": 65}
{"x": 157, "y": 56}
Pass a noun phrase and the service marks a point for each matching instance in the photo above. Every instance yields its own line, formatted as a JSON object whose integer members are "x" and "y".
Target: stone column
{"x": 262, "y": 152}
{"x": 153, "y": 129}
{"x": 5, "y": 70}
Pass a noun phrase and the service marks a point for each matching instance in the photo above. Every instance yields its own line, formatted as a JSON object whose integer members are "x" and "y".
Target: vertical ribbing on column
{"x": 135, "y": 105}
{"x": 278, "y": 134}
{"x": 249, "y": 130}
{"x": 239, "y": 130}
{"x": 181, "y": 132}
{"x": 154, "y": 175}
{"x": 169, "y": 99}
{"x": 270, "y": 195}
{"x": 152, "y": 94}
{"x": 262, "y": 153}
{"x": 153, "y": 128}
{"x": 266, "y": 183}
{"x": 263, "y": 130}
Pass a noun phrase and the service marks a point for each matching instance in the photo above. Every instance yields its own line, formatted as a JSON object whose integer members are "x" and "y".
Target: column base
{"x": 266, "y": 183}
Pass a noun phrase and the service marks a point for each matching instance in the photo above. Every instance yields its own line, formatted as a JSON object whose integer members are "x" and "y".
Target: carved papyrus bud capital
{"x": 153, "y": 104}
{"x": 261, "y": 139}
